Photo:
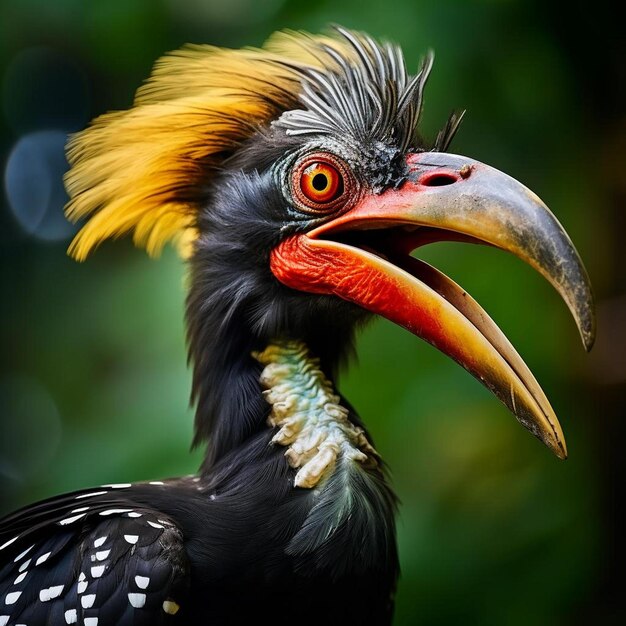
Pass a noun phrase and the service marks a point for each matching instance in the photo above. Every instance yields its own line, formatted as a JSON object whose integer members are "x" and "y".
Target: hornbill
{"x": 295, "y": 183}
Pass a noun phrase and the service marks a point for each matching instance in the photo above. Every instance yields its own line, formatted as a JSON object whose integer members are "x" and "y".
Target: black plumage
{"x": 237, "y": 545}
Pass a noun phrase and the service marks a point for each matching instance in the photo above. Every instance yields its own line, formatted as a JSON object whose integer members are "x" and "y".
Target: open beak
{"x": 363, "y": 256}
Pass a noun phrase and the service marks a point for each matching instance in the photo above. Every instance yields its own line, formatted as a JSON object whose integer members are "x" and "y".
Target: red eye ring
{"x": 321, "y": 183}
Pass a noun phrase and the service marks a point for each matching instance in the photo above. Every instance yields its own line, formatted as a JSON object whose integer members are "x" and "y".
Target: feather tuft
{"x": 147, "y": 171}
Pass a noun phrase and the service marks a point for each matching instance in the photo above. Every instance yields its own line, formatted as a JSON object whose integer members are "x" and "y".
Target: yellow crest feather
{"x": 136, "y": 171}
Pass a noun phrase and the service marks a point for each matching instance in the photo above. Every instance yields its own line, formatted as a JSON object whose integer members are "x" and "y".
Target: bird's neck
{"x": 313, "y": 425}
{"x": 251, "y": 387}
{"x": 227, "y": 388}
{"x": 307, "y": 472}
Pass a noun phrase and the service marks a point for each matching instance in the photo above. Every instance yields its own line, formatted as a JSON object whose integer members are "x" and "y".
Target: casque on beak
{"x": 363, "y": 256}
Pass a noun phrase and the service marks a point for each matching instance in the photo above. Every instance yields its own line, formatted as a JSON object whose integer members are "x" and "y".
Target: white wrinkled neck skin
{"x": 313, "y": 425}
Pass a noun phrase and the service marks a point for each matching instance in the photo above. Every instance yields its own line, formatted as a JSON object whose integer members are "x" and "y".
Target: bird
{"x": 296, "y": 185}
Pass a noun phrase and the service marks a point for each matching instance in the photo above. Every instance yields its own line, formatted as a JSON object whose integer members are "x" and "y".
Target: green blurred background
{"x": 93, "y": 382}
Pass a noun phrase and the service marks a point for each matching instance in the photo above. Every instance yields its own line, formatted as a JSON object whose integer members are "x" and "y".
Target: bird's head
{"x": 294, "y": 179}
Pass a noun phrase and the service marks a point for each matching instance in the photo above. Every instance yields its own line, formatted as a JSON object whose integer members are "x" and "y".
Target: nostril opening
{"x": 438, "y": 180}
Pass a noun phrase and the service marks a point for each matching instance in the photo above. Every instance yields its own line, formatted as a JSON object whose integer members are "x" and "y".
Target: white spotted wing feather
{"x": 88, "y": 559}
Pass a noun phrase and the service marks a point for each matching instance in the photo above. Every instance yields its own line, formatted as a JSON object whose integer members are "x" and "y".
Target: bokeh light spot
{"x": 33, "y": 182}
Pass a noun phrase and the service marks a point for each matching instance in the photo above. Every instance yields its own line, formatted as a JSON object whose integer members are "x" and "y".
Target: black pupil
{"x": 320, "y": 182}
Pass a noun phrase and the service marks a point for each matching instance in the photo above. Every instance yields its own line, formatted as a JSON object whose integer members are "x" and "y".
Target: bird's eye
{"x": 321, "y": 183}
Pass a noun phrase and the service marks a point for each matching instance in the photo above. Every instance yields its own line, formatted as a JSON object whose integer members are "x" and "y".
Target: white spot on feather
{"x": 90, "y": 495}
{"x": 43, "y": 558}
{"x": 137, "y": 600}
{"x": 131, "y": 538}
{"x": 9, "y": 542}
{"x": 99, "y": 541}
{"x": 4, "y": 620}
{"x": 156, "y": 482}
{"x": 82, "y": 585}
{"x": 20, "y": 578}
{"x": 134, "y": 514}
{"x": 50, "y": 593}
{"x": 71, "y": 616}
{"x": 21, "y": 555}
{"x": 70, "y": 520}
{"x": 91, "y": 621}
{"x": 87, "y": 600}
{"x": 142, "y": 581}
{"x": 155, "y": 525}
{"x": 118, "y": 486}
{"x": 113, "y": 512}
{"x": 24, "y": 565}
{"x": 103, "y": 554}
{"x": 13, "y": 597}
{"x": 97, "y": 570}
{"x": 80, "y": 509}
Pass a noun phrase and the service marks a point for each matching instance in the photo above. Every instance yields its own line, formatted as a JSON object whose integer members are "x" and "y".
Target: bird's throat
{"x": 311, "y": 422}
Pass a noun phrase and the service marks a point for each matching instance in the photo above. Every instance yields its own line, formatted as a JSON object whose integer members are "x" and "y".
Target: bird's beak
{"x": 363, "y": 256}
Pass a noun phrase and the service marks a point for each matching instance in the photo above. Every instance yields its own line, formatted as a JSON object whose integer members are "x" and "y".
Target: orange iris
{"x": 321, "y": 182}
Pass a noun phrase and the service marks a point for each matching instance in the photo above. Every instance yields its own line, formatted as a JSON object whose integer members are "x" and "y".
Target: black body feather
{"x": 241, "y": 545}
